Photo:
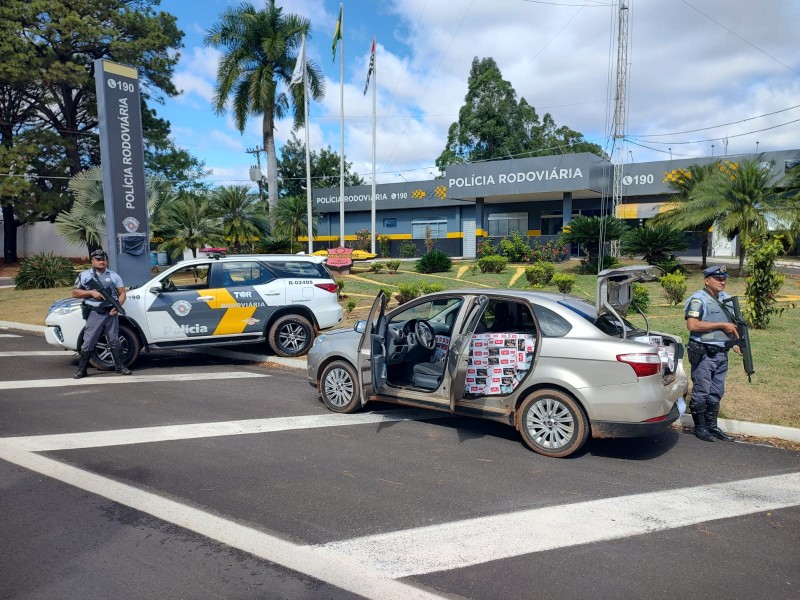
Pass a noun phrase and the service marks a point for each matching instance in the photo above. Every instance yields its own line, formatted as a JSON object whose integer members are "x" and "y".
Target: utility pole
{"x": 620, "y": 113}
{"x": 257, "y": 176}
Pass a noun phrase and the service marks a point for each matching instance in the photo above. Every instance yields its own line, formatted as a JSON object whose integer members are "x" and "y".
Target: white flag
{"x": 300, "y": 65}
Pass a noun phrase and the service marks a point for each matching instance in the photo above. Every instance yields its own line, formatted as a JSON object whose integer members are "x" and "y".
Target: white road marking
{"x": 111, "y": 378}
{"x": 8, "y": 335}
{"x": 144, "y": 435}
{"x": 33, "y": 352}
{"x": 318, "y": 563}
{"x": 474, "y": 541}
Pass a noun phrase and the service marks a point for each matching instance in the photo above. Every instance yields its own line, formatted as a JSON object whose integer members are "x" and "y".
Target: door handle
{"x": 205, "y": 298}
{"x": 271, "y": 294}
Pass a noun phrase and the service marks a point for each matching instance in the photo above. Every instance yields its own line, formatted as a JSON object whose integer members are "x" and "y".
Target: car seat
{"x": 428, "y": 375}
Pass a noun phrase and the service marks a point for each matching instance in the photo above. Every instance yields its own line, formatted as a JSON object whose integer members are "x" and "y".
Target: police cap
{"x": 100, "y": 253}
{"x": 720, "y": 271}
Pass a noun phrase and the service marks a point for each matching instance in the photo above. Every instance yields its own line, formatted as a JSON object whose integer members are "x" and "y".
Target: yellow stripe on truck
{"x": 235, "y": 318}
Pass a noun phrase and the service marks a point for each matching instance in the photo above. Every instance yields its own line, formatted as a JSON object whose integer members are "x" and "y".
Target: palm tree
{"x": 243, "y": 219}
{"x": 589, "y": 233}
{"x": 684, "y": 181}
{"x": 259, "y": 52}
{"x": 741, "y": 199}
{"x": 85, "y": 222}
{"x": 188, "y": 222}
{"x": 655, "y": 243}
{"x": 291, "y": 219}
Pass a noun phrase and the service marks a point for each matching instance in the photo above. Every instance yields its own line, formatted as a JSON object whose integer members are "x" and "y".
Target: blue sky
{"x": 699, "y": 71}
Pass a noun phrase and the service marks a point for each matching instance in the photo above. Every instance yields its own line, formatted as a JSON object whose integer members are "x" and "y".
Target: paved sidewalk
{"x": 758, "y": 430}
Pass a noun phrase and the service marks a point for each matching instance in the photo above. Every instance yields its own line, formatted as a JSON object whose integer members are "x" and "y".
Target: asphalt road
{"x": 206, "y": 477}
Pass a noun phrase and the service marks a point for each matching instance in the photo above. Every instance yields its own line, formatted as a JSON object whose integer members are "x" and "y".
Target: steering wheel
{"x": 425, "y": 334}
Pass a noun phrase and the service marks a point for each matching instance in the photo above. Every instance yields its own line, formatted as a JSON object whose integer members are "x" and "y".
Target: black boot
{"x": 83, "y": 364}
{"x": 712, "y": 410}
{"x": 119, "y": 363}
{"x": 699, "y": 418}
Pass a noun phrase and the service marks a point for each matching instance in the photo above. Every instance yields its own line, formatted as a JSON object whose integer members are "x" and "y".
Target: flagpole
{"x": 308, "y": 154}
{"x": 374, "y": 127}
{"x": 341, "y": 126}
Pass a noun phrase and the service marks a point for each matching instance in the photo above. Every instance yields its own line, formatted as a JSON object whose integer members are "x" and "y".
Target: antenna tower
{"x": 620, "y": 110}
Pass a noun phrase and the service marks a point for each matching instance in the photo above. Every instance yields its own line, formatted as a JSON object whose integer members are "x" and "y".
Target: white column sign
{"x": 122, "y": 154}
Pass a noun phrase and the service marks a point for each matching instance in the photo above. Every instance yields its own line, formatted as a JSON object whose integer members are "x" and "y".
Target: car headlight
{"x": 66, "y": 310}
{"x": 319, "y": 338}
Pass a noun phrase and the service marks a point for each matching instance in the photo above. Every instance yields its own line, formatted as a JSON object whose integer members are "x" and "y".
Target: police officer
{"x": 102, "y": 319}
{"x": 710, "y": 325}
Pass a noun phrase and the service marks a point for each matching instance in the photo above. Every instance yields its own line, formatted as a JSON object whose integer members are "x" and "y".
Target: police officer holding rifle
{"x": 712, "y": 332}
{"x": 103, "y": 294}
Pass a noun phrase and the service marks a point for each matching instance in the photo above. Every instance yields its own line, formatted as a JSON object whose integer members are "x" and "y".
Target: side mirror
{"x": 156, "y": 289}
{"x": 361, "y": 326}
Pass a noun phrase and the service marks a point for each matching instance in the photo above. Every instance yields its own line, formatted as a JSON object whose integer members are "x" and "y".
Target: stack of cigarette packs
{"x": 498, "y": 362}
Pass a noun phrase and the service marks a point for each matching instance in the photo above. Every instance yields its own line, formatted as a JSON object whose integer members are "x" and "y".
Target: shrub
{"x": 516, "y": 248}
{"x": 376, "y": 267}
{"x": 486, "y": 247}
{"x": 655, "y": 243}
{"x": 408, "y": 249}
{"x": 274, "y": 245}
{"x": 384, "y": 245}
{"x": 492, "y": 264}
{"x": 435, "y": 261}
{"x": 363, "y": 239}
{"x": 641, "y": 297}
{"x": 388, "y": 293}
{"x": 351, "y": 304}
{"x": 42, "y": 271}
{"x": 406, "y": 292}
{"x": 763, "y": 282}
{"x": 473, "y": 269}
{"x": 340, "y": 287}
{"x": 540, "y": 273}
{"x": 552, "y": 251}
{"x": 564, "y": 282}
{"x": 588, "y": 231}
{"x": 674, "y": 286}
{"x": 392, "y": 266}
{"x": 429, "y": 288}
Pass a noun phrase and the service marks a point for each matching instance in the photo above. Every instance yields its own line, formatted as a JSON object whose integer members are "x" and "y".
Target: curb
{"x": 759, "y": 430}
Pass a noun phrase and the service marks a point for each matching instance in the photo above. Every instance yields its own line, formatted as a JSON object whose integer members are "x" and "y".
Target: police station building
{"x": 535, "y": 196}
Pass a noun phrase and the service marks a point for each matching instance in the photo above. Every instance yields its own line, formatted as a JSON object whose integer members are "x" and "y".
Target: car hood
{"x": 62, "y": 303}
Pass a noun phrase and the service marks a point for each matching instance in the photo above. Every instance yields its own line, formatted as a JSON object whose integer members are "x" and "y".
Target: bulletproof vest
{"x": 712, "y": 313}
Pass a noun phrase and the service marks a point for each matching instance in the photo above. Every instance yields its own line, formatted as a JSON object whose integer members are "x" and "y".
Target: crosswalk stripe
{"x": 32, "y": 352}
{"x": 143, "y": 435}
{"x": 317, "y": 563}
{"x": 9, "y": 335}
{"x": 473, "y": 541}
{"x": 113, "y": 379}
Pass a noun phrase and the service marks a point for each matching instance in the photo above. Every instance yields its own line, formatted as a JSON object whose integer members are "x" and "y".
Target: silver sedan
{"x": 556, "y": 367}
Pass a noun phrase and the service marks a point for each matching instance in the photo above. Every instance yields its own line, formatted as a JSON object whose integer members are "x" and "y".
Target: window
{"x": 298, "y": 269}
{"x": 194, "y": 277}
{"x": 552, "y": 222}
{"x": 390, "y": 223}
{"x": 438, "y": 228}
{"x": 244, "y": 273}
{"x": 501, "y": 224}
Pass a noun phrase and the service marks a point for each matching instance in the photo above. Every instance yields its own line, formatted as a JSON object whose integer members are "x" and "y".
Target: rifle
{"x": 108, "y": 298}
{"x": 744, "y": 337}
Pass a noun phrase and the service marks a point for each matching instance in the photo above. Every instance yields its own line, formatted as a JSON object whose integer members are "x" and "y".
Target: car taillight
{"x": 328, "y": 287}
{"x": 643, "y": 364}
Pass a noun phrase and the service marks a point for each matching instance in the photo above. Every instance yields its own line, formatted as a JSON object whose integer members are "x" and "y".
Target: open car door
{"x": 372, "y": 350}
{"x": 615, "y": 290}
{"x": 458, "y": 352}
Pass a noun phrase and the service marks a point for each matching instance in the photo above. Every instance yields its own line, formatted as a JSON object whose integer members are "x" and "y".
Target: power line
{"x": 716, "y": 126}
{"x": 728, "y": 136}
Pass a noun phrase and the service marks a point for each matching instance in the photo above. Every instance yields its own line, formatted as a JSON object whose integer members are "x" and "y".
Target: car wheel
{"x": 552, "y": 423}
{"x": 338, "y": 387}
{"x": 131, "y": 348}
{"x": 291, "y": 335}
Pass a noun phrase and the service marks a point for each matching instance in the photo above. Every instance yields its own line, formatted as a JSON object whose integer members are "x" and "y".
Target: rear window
{"x": 298, "y": 268}
{"x": 551, "y": 324}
